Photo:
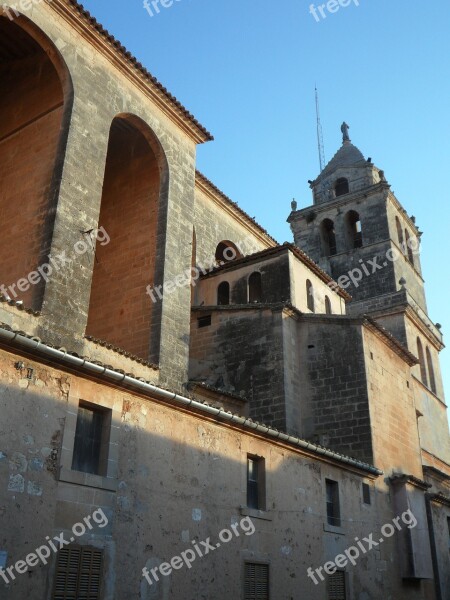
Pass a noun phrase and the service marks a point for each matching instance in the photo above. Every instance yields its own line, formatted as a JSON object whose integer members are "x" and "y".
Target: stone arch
{"x": 36, "y": 98}
{"x": 126, "y": 294}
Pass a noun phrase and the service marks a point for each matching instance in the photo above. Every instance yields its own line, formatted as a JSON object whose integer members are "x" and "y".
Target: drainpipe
{"x": 35, "y": 345}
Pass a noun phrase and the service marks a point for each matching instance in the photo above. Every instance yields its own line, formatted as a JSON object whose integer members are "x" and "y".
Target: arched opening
{"x": 328, "y": 310}
{"x": 223, "y": 293}
{"x": 341, "y": 187}
{"x": 431, "y": 371}
{"x": 310, "y": 295}
{"x": 226, "y": 252}
{"x": 255, "y": 287}
{"x": 408, "y": 248}
{"x": 354, "y": 229}
{"x": 124, "y": 295}
{"x": 399, "y": 233}
{"x": 423, "y": 368}
{"x": 35, "y": 106}
{"x": 328, "y": 235}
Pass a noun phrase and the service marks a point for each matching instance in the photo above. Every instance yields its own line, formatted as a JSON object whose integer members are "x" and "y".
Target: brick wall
{"x": 120, "y": 311}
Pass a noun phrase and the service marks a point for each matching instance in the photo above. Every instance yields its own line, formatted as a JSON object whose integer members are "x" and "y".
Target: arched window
{"x": 328, "y": 237}
{"x": 423, "y": 368}
{"x": 223, "y": 293}
{"x": 341, "y": 186}
{"x": 409, "y": 247}
{"x": 35, "y": 108}
{"x": 328, "y": 310}
{"x": 431, "y": 371}
{"x": 120, "y": 310}
{"x": 310, "y": 295}
{"x": 226, "y": 251}
{"x": 354, "y": 229}
{"x": 255, "y": 287}
{"x": 399, "y": 233}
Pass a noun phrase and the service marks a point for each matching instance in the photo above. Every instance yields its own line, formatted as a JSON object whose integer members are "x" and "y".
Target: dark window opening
{"x": 423, "y": 368}
{"x": 226, "y": 252}
{"x": 354, "y": 230}
{"x": 448, "y": 528}
{"x": 333, "y": 507}
{"x": 223, "y": 293}
{"x": 78, "y": 573}
{"x": 408, "y": 247}
{"x": 256, "y": 581}
{"x": 90, "y": 451}
{"x": 255, "y": 287}
{"x": 310, "y": 295}
{"x": 399, "y": 233}
{"x": 204, "y": 321}
{"x": 431, "y": 371}
{"x": 366, "y": 493}
{"x": 328, "y": 237}
{"x": 341, "y": 187}
{"x": 256, "y": 482}
{"x": 328, "y": 310}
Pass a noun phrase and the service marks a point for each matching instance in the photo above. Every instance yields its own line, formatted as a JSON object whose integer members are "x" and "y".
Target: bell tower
{"x": 357, "y": 231}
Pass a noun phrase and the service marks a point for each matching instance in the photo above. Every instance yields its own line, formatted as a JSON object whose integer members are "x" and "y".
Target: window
{"x": 341, "y": 187}
{"x": 431, "y": 371}
{"x": 354, "y": 229}
{"x": 256, "y": 581}
{"x": 255, "y": 287}
{"x": 366, "y": 493}
{"x": 328, "y": 237}
{"x": 448, "y": 528}
{"x": 256, "y": 483}
{"x": 336, "y": 586}
{"x": 309, "y": 295}
{"x": 399, "y": 233}
{"x": 204, "y": 321}
{"x": 409, "y": 248}
{"x": 333, "y": 509}
{"x": 423, "y": 368}
{"x": 223, "y": 293}
{"x": 226, "y": 251}
{"x": 90, "y": 451}
{"x": 78, "y": 573}
{"x": 328, "y": 310}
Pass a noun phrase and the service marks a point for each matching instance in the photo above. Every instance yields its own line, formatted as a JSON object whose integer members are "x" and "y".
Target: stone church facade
{"x": 190, "y": 410}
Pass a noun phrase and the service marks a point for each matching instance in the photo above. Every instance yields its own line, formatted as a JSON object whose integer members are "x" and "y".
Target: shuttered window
{"x": 256, "y": 586}
{"x": 336, "y": 586}
{"x": 78, "y": 573}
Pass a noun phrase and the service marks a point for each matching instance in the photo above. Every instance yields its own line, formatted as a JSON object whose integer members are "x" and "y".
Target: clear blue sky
{"x": 247, "y": 70}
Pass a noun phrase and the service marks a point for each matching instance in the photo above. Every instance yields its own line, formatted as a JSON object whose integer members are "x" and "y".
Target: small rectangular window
{"x": 448, "y": 527}
{"x": 204, "y": 321}
{"x": 366, "y": 493}
{"x": 256, "y": 581}
{"x": 255, "y": 483}
{"x": 333, "y": 507}
{"x": 78, "y": 573}
{"x": 336, "y": 586}
{"x": 90, "y": 451}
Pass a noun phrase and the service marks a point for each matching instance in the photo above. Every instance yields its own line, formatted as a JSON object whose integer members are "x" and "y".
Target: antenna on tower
{"x": 320, "y": 145}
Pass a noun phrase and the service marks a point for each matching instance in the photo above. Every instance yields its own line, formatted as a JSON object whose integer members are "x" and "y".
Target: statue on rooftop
{"x": 344, "y": 129}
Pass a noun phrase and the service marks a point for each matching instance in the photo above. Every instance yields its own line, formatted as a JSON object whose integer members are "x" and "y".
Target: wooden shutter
{"x": 78, "y": 574}
{"x": 256, "y": 585}
{"x": 336, "y": 586}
